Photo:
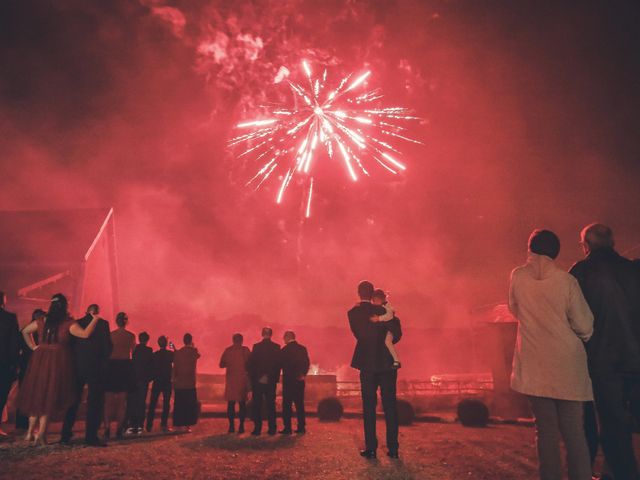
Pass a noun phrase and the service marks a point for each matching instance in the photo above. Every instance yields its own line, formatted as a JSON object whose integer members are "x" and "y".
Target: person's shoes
{"x": 65, "y": 439}
{"x": 301, "y": 431}
{"x": 396, "y": 365}
{"x": 256, "y": 433}
{"x": 167, "y": 429}
{"x": 272, "y": 432}
{"x": 393, "y": 454}
{"x": 285, "y": 431}
{"x": 232, "y": 429}
{"x": 148, "y": 428}
{"x": 131, "y": 431}
{"x": 119, "y": 434}
{"x": 240, "y": 429}
{"x": 370, "y": 454}
{"x": 95, "y": 442}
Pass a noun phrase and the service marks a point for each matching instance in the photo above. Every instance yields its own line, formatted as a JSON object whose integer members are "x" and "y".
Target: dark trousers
{"x": 95, "y": 408}
{"x": 156, "y": 390}
{"x": 591, "y": 430}
{"x": 6, "y": 381}
{"x": 22, "y": 420}
{"x": 369, "y": 384}
{"x": 612, "y": 397}
{"x": 231, "y": 411}
{"x": 267, "y": 393}
{"x": 136, "y": 405}
{"x": 293, "y": 394}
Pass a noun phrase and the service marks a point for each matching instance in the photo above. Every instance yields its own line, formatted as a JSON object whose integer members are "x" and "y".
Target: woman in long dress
{"x": 48, "y": 388}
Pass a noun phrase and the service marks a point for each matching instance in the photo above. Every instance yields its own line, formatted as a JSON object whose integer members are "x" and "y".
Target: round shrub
{"x": 473, "y": 413}
{"x": 330, "y": 409}
{"x": 406, "y": 413}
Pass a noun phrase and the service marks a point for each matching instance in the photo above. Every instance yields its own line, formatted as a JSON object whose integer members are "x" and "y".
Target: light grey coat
{"x": 554, "y": 320}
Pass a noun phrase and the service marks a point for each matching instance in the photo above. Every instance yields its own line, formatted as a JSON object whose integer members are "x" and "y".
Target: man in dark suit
{"x": 162, "y": 383}
{"x": 295, "y": 366}
{"x": 9, "y": 348}
{"x": 91, "y": 357}
{"x": 375, "y": 362}
{"x": 264, "y": 373}
{"x": 611, "y": 285}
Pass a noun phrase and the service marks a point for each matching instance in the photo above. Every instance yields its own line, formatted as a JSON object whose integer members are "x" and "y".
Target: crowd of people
{"x": 577, "y": 354}
{"x": 55, "y": 357}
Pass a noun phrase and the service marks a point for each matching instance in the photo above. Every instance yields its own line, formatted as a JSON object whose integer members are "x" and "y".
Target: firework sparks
{"x": 337, "y": 119}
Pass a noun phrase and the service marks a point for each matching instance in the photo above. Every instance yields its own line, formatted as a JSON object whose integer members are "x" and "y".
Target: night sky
{"x": 530, "y": 120}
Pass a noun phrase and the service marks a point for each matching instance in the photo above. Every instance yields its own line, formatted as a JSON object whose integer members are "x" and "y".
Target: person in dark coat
{"x": 295, "y": 366}
{"x": 162, "y": 384}
{"x": 9, "y": 347}
{"x": 264, "y": 373}
{"x": 90, "y": 358}
{"x": 236, "y": 386}
{"x": 375, "y": 363}
{"x": 611, "y": 285}
{"x": 22, "y": 420}
{"x": 143, "y": 370}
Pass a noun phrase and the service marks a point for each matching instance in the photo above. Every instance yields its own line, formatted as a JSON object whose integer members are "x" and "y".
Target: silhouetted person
{"x": 162, "y": 384}
{"x": 264, "y": 373}
{"x": 143, "y": 369}
{"x": 549, "y": 362}
{"x": 22, "y": 420}
{"x": 90, "y": 358}
{"x": 375, "y": 363}
{"x": 9, "y": 347}
{"x": 235, "y": 359}
{"x": 295, "y": 366}
{"x": 48, "y": 389}
{"x": 611, "y": 286}
{"x": 120, "y": 376}
{"x": 185, "y": 402}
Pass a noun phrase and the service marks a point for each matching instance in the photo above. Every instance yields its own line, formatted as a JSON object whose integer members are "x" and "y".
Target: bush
{"x": 473, "y": 413}
{"x": 406, "y": 413}
{"x": 330, "y": 409}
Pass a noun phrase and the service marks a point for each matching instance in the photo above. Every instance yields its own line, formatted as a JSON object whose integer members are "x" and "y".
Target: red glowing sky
{"x": 530, "y": 120}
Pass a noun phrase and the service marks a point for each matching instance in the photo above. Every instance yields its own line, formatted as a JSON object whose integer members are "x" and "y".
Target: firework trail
{"x": 339, "y": 120}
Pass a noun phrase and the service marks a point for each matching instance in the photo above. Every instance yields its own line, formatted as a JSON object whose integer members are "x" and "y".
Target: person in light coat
{"x": 550, "y": 361}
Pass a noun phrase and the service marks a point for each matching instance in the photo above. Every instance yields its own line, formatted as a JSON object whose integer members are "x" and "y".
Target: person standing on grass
{"x": 550, "y": 362}
{"x": 295, "y": 366}
{"x": 611, "y": 286}
{"x": 236, "y": 386}
{"x": 264, "y": 372}
{"x": 375, "y": 363}
{"x": 162, "y": 375}
{"x": 142, "y": 359}
{"x": 9, "y": 348}
{"x": 90, "y": 360}
{"x": 185, "y": 403}
{"x": 120, "y": 377}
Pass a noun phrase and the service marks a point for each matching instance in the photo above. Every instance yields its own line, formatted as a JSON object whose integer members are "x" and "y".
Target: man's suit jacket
{"x": 295, "y": 362}
{"x": 265, "y": 359}
{"x": 91, "y": 355}
{"x": 370, "y": 354}
{"x": 9, "y": 343}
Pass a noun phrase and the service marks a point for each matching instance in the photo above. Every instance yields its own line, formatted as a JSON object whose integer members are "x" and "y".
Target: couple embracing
{"x": 376, "y": 329}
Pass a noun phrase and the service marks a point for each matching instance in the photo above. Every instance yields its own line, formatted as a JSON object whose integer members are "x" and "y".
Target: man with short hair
{"x": 162, "y": 384}
{"x": 264, "y": 372}
{"x": 234, "y": 359}
{"x": 185, "y": 401}
{"x": 295, "y": 366}
{"x": 9, "y": 349}
{"x": 611, "y": 286}
{"x": 375, "y": 363}
{"x": 90, "y": 358}
{"x": 142, "y": 359}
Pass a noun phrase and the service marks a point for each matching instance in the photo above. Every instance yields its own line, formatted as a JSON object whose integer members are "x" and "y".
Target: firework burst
{"x": 343, "y": 120}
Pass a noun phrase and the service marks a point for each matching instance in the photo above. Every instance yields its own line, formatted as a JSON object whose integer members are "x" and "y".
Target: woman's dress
{"x": 48, "y": 387}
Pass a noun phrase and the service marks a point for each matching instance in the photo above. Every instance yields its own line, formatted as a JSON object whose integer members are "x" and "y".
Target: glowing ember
{"x": 339, "y": 119}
